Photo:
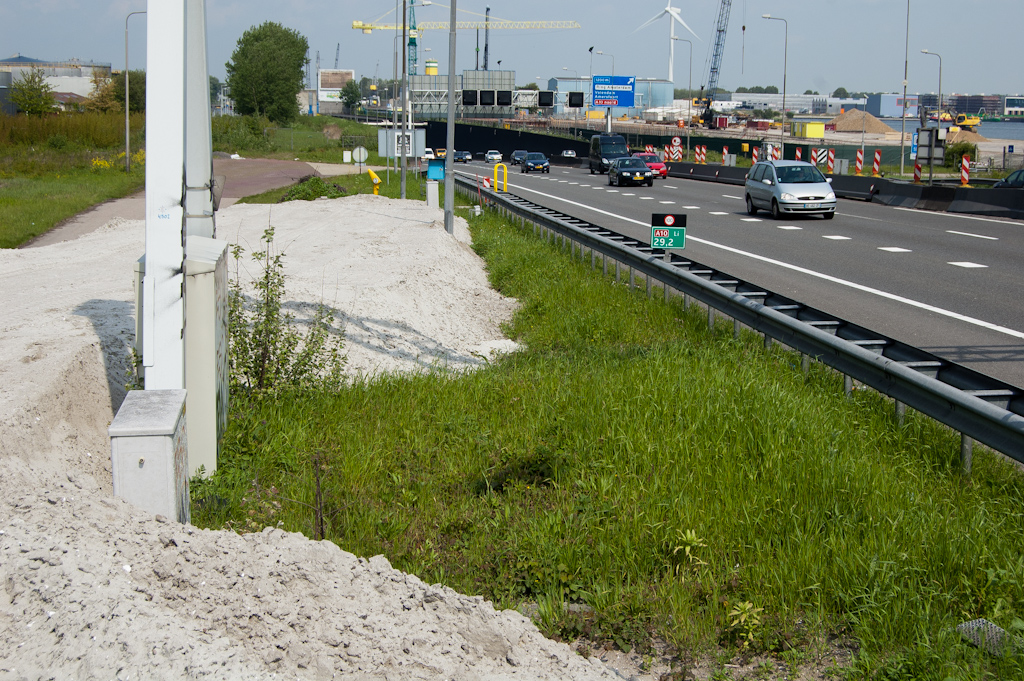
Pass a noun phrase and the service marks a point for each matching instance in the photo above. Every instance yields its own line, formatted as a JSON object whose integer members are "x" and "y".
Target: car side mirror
{"x": 767, "y": 182}
{"x": 829, "y": 180}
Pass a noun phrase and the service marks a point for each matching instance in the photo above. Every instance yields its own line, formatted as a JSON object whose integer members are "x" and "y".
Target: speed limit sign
{"x": 676, "y": 141}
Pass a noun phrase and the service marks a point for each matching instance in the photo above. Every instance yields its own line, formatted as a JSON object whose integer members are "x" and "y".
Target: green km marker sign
{"x": 668, "y": 230}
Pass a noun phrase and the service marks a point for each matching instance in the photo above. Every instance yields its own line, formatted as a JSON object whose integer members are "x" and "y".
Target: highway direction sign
{"x": 613, "y": 90}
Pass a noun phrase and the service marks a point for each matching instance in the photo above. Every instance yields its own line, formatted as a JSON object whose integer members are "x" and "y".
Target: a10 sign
{"x": 668, "y": 230}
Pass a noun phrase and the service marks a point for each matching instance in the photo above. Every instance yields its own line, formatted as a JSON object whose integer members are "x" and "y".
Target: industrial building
{"x": 891, "y": 106}
{"x": 72, "y": 77}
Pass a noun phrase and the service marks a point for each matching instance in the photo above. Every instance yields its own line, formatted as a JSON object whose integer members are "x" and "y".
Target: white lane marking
{"x": 574, "y": 183}
{"x": 717, "y": 212}
{"x": 751, "y": 219}
{"x": 668, "y": 187}
{"x": 692, "y": 207}
{"x": 803, "y": 270}
{"x": 666, "y": 202}
{"x": 646, "y": 198}
{"x": 894, "y": 249}
{"x": 968, "y": 265}
{"x": 730, "y": 196}
{"x": 976, "y": 236}
{"x": 957, "y": 215}
{"x": 613, "y": 191}
{"x": 861, "y": 217}
{"x": 837, "y": 238}
{"x": 789, "y": 227}
{"x": 625, "y": 194}
{"x": 563, "y": 181}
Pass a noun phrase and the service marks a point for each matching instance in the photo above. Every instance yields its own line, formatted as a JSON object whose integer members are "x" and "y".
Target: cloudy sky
{"x": 856, "y": 44}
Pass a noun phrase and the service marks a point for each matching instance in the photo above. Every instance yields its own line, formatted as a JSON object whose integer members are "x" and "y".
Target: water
{"x": 995, "y": 130}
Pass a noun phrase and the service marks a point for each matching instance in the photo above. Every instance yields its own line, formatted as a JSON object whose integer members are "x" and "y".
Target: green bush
{"x": 313, "y": 187}
{"x": 240, "y": 133}
{"x": 954, "y": 152}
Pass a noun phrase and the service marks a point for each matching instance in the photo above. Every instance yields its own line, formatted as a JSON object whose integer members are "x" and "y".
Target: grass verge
{"x": 670, "y": 481}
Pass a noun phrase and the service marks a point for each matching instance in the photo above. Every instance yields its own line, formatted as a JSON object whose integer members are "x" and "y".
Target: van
{"x": 605, "y": 148}
{"x": 428, "y": 154}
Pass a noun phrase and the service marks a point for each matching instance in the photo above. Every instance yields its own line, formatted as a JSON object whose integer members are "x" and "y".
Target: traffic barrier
{"x": 877, "y": 163}
{"x": 799, "y": 153}
{"x": 753, "y": 154}
{"x": 701, "y": 152}
{"x": 860, "y": 161}
{"x": 649, "y": 148}
{"x": 725, "y": 152}
{"x": 832, "y": 162}
{"x": 965, "y": 170}
{"x": 917, "y": 173}
{"x": 822, "y": 156}
{"x": 776, "y": 153}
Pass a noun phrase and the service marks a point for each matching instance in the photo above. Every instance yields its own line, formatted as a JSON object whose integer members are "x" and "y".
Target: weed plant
{"x": 672, "y": 480}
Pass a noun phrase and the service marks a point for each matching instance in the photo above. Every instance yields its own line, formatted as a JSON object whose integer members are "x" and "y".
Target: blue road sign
{"x": 613, "y": 90}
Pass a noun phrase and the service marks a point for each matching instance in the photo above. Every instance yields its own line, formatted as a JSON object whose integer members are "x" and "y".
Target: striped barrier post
{"x": 831, "y": 161}
{"x": 917, "y": 173}
{"x": 822, "y": 156}
{"x": 860, "y": 161}
{"x": 753, "y": 154}
{"x": 965, "y": 170}
{"x": 776, "y": 153}
{"x": 877, "y": 163}
{"x": 725, "y": 152}
{"x": 799, "y": 153}
{"x": 704, "y": 154}
{"x": 649, "y": 148}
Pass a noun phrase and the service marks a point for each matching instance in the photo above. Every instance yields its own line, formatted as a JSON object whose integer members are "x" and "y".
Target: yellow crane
{"x": 368, "y": 27}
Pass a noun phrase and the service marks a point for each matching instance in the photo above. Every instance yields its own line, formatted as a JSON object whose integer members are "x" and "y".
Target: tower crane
{"x": 714, "y": 68}
{"x": 487, "y": 24}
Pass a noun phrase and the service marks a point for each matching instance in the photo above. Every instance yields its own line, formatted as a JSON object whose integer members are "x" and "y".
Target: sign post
{"x": 668, "y": 231}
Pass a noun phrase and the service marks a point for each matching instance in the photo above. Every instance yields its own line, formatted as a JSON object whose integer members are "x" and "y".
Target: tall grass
{"x": 86, "y": 130}
{"x": 676, "y": 481}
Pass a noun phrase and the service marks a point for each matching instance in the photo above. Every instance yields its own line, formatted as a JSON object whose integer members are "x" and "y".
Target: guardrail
{"x": 979, "y": 407}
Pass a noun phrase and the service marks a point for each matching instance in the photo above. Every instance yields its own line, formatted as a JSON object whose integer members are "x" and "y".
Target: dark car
{"x": 462, "y": 157}
{"x": 517, "y": 156}
{"x": 605, "y": 148}
{"x": 787, "y": 188}
{"x": 536, "y": 161}
{"x": 630, "y": 170}
{"x": 1014, "y": 180}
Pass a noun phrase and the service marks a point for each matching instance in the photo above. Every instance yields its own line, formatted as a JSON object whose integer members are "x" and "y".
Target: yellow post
{"x": 504, "y": 169}
{"x": 376, "y": 181}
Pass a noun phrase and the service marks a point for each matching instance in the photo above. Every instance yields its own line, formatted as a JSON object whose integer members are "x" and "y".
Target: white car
{"x": 428, "y": 154}
{"x": 492, "y": 156}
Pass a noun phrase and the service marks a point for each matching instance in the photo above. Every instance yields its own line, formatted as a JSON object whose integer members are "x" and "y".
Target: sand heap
{"x": 856, "y": 120}
{"x": 94, "y": 588}
{"x": 962, "y": 135}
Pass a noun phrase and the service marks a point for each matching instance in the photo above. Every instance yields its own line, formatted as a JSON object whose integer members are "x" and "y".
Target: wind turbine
{"x": 673, "y": 13}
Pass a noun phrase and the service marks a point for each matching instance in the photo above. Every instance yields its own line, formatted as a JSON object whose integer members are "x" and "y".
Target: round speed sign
{"x": 669, "y": 221}
{"x": 676, "y": 141}
{"x": 359, "y": 154}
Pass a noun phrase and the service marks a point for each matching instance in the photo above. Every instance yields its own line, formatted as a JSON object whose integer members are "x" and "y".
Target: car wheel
{"x": 751, "y": 208}
{"x": 776, "y": 213}
{"x": 610, "y": 179}
{"x": 591, "y": 170}
{"x": 650, "y": 183}
{"x": 828, "y": 216}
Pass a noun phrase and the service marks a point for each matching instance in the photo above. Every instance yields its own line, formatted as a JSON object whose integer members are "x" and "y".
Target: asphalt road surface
{"x": 944, "y": 283}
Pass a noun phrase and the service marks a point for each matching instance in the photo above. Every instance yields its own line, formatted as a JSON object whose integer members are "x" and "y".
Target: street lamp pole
{"x": 938, "y": 113}
{"x": 785, "y": 69}
{"x": 608, "y": 118}
{"x": 689, "y": 96}
{"x": 903, "y": 118}
{"x": 127, "y": 120}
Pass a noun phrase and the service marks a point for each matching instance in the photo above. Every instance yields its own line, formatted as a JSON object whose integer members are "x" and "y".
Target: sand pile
{"x": 96, "y": 589}
{"x": 856, "y": 120}
{"x": 964, "y": 136}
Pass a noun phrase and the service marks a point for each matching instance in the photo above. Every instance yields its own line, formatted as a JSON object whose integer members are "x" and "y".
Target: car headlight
{"x": 831, "y": 196}
{"x": 604, "y": 160}
{"x": 787, "y": 197}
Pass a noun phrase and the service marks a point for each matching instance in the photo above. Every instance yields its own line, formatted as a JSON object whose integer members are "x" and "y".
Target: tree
{"x": 530, "y": 86}
{"x": 265, "y": 73}
{"x": 103, "y": 98}
{"x": 351, "y": 94}
{"x": 32, "y": 94}
{"x": 137, "y": 87}
{"x": 772, "y": 90}
{"x": 810, "y": 92}
{"x": 841, "y": 93}
{"x": 215, "y": 87}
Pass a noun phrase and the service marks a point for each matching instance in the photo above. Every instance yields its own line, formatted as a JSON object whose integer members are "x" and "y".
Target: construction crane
{"x": 714, "y": 69}
{"x": 487, "y": 24}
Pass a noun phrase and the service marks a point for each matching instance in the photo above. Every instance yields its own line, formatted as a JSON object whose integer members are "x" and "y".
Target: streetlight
{"x": 938, "y": 111}
{"x": 903, "y": 118}
{"x": 608, "y": 118}
{"x": 939, "y": 106}
{"x": 127, "y": 120}
{"x": 608, "y": 55}
{"x": 785, "y": 58}
{"x": 689, "y": 96}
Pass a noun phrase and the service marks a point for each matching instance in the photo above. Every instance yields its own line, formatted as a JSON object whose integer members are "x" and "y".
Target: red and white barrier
{"x": 725, "y": 152}
{"x": 753, "y": 154}
{"x": 831, "y": 161}
{"x": 860, "y": 161}
{"x": 649, "y": 148}
{"x": 877, "y": 163}
{"x": 776, "y": 153}
{"x": 965, "y": 170}
{"x": 917, "y": 173}
{"x": 799, "y": 153}
{"x": 821, "y": 157}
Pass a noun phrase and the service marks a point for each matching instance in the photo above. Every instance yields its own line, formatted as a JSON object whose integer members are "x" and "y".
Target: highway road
{"x": 945, "y": 283}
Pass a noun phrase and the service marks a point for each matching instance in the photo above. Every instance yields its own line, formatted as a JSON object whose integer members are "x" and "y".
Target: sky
{"x": 860, "y": 45}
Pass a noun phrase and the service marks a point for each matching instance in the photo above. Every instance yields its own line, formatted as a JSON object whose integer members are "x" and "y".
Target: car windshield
{"x": 614, "y": 148}
{"x": 536, "y": 157}
{"x": 649, "y": 158}
{"x": 632, "y": 163}
{"x": 799, "y": 175}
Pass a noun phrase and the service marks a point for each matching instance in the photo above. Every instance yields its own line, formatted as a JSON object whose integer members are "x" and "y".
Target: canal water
{"x": 995, "y": 130}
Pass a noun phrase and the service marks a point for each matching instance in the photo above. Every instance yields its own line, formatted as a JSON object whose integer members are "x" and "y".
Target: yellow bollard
{"x": 376, "y": 182}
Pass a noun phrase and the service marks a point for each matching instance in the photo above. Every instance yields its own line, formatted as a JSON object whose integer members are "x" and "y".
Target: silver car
{"x": 788, "y": 188}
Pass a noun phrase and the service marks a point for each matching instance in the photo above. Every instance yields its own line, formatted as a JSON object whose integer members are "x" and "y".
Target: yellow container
{"x": 745, "y": 148}
{"x": 808, "y": 129}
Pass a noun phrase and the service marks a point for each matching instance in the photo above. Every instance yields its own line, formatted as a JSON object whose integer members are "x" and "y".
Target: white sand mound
{"x": 96, "y": 589}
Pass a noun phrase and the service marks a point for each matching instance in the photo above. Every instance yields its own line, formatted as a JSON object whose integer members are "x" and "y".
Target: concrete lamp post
{"x": 785, "y": 68}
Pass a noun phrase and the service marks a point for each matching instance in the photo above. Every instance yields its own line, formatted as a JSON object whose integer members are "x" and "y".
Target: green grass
{"x": 666, "y": 476}
{"x": 390, "y": 186}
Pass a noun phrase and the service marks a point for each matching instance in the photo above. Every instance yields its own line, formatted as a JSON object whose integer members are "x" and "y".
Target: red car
{"x": 654, "y": 163}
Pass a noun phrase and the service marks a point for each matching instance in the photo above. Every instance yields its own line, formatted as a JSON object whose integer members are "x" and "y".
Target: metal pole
{"x": 405, "y": 98}
{"x": 449, "y": 157}
{"x": 689, "y": 97}
{"x": 785, "y": 68}
{"x": 938, "y": 112}
{"x": 127, "y": 120}
{"x": 903, "y": 118}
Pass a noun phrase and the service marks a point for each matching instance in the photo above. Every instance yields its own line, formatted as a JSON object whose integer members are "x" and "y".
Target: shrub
{"x": 954, "y": 152}
{"x": 312, "y": 187}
